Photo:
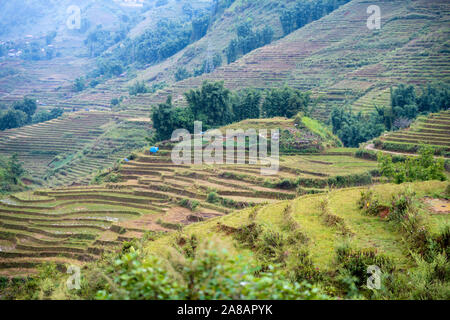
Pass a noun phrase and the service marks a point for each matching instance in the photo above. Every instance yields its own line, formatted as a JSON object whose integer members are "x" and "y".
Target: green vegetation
{"x": 422, "y": 168}
{"x": 354, "y": 129}
{"x": 306, "y": 11}
{"x": 11, "y": 171}
{"x": 248, "y": 40}
{"x": 285, "y": 102}
{"x": 215, "y": 106}
{"x": 22, "y": 113}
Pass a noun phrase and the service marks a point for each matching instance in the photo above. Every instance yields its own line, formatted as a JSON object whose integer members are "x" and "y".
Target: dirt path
{"x": 372, "y": 148}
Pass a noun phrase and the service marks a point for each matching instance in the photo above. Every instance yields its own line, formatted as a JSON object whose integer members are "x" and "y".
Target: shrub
{"x": 356, "y": 262}
{"x": 209, "y": 274}
{"x": 213, "y": 197}
{"x": 138, "y": 88}
{"x": 422, "y": 168}
{"x": 189, "y": 204}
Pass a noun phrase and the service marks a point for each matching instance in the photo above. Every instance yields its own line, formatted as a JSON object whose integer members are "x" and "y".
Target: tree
{"x": 137, "y": 88}
{"x": 28, "y": 106}
{"x": 354, "y": 129}
{"x": 285, "y": 102}
{"x": 246, "y": 105}
{"x": 231, "y": 51}
{"x": 211, "y": 103}
{"x": 44, "y": 115}
{"x": 182, "y": 74}
{"x": 12, "y": 119}
{"x": 200, "y": 27}
{"x": 166, "y": 118}
{"x": 422, "y": 168}
{"x": 79, "y": 84}
{"x": 15, "y": 168}
{"x": 403, "y": 95}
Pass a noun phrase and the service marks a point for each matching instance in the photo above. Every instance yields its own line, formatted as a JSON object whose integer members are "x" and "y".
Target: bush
{"x": 137, "y": 88}
{"x": 355, "y": 262}
{"x": 209, "y": 274}
{"x": 213, "y": 197}
{"x": 189, "y": 204}
{"x": 422, "y": 168}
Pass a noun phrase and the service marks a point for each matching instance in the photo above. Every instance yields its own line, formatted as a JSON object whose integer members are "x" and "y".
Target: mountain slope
{"x": 340, "y": 59}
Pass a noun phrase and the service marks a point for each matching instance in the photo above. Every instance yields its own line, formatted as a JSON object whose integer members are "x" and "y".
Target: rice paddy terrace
{"x": 340, "y": 59}
{"x": 431, "y": 130}
{"x": 49, "y": 81}
{"x": 72, "y": 148}
{"x": 76, "y": 224}
{"x": 337, "y": 57}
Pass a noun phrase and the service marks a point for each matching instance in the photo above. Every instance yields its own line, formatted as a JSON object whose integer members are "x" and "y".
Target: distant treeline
{"x": 22, "y": 113}
{"x": 306, "y": 11}
{"x": 406, "y": 105}
{"x": 248, "y": 40}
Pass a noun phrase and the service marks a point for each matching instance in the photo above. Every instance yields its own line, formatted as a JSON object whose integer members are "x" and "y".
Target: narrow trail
{"x": 371, "y": 147}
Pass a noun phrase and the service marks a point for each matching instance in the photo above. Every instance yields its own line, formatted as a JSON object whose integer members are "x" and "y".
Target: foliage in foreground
{"x": 194, "y": 272}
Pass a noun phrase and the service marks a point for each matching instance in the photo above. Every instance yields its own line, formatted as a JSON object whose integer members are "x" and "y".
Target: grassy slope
{"x": 369, "y": 231}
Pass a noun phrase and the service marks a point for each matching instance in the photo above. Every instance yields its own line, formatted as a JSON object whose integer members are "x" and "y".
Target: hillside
{"x": 73, "y": 148}
{"x": 430, "y": 130}
{"x": 152, "y": 194}
{"x": 342, "y": 61}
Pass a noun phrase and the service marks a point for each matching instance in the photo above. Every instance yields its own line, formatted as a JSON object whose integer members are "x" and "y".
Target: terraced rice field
{"x": 76, "y": 224}
{"x": 49, "y": 81}
{"x": 432, "y": 130}
{"x": 362, "y": 230}
{"x": 339, "y": 59}
{"x": 72, "y": 148}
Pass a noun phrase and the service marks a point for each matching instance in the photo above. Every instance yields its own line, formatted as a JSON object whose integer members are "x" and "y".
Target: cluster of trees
{"x": 406, "y": 105}
{"x": 215, "y": 105}
{"x": 158, "y": 44}
{"x": 140, "y": 87}
{"x": 18, "y": 115}
{"x": 99, "y": 39}
{"x": 23, "y": 112}
{"x": 46, "y": 115}
{"x": 306, "y": 11}
{"x": 422, "y": 168}
{"x": 208, "y": 66}
{"x": 248, "y": 40}
{"x": 11, "y": 171}
{"x": 35, "y": 51}
{"x": 79, "y": 84}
